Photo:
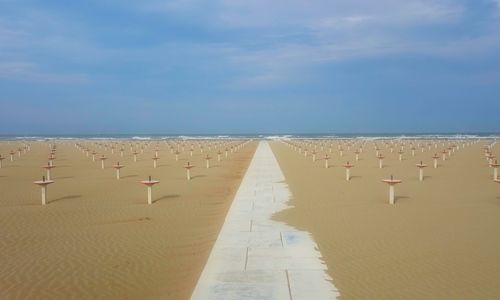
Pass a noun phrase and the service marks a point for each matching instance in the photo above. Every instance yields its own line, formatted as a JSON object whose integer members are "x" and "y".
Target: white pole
{"x": 391, "y": 194}
{"x": 117, "y": 173}
{"x": 421, "y": 174}
{"x": 102, "y": 164}
{"x": 48, "y": 174}
{"x": 188, "y": 174}
{"x": 495, "y": 173}
{"x": 149, "y": 195}
{"x": 347, "y": 175}
{"x": 435, "y": 163}
{"x": 44, "y": 192}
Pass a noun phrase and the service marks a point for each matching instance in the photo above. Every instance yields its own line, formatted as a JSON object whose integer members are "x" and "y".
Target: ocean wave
{"x": 361, "y": 136}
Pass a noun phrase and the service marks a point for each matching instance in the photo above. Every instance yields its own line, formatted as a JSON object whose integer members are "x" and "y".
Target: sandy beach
{"x": 353, "y": 150}
{"x": 438, "y": 241}
{"x": 97, "y": 238}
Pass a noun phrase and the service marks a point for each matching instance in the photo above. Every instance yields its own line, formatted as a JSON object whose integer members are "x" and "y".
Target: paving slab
{"x": 255, "y": 257}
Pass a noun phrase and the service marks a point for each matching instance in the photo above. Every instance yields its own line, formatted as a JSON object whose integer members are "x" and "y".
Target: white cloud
{"x": 30, "y": 72}
{"x": 286, "y": 36}
{"x": 296, "y": 13}
{"x": 267, "y": 41}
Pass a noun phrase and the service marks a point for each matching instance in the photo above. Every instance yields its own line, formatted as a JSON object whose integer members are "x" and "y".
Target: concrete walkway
{"x": 257, "y": 258}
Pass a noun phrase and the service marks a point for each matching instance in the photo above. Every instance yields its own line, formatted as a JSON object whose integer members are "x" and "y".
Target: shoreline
{"x": 264, "y": 136}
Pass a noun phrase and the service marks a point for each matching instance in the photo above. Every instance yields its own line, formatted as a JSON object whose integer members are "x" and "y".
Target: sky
{"x": 256, "y": 66}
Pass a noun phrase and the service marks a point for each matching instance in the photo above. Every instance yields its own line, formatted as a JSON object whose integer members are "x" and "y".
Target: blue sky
{"x": 234, "y": 66}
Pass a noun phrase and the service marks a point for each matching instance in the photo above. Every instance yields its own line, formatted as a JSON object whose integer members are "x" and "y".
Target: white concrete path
{"x": 257, "y": 258}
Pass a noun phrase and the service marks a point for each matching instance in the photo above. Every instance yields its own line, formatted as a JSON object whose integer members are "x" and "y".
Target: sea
{"x": 284, "y": 136}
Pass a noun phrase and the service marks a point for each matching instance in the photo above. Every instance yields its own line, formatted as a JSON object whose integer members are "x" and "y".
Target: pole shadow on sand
{"x": 69, "y": 197}
{"x": 166, "y": 197}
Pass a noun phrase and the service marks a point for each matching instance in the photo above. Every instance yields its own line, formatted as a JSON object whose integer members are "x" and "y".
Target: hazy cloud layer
{"x": 269, "y": 40}
{"x": 254, "y": 55}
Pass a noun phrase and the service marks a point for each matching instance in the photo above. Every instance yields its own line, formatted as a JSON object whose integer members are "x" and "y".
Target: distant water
{"x": 367, "y": 136}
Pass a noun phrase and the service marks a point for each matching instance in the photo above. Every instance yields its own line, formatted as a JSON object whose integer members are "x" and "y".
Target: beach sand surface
{"x": 439, "y": 241}
{"x": 97, "y": 238}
